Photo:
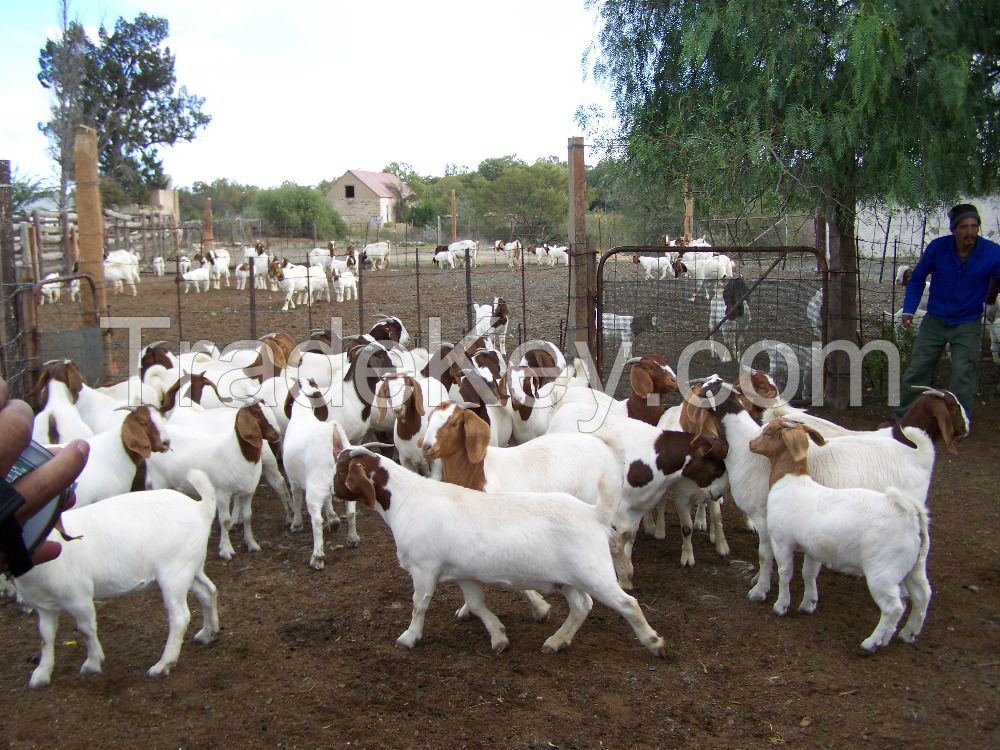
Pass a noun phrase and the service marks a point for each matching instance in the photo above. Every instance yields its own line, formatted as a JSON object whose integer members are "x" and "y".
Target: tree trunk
{"x": 842, "y": 301}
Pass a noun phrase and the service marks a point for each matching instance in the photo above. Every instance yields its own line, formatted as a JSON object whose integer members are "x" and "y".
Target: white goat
{"x": 541, "y": 541}
{"x": 59, "y": 421}
{"x": 881, "y": 535}
{"x": 510, "y": 250}
{"x": 117, "y": 275}
{"x": 620, "y": 331}
{"x": 121, "y": 545}
{"x": 159, "y": 267}
{"x": 51, "y": 290}
{"x": 443, "y": 256}
{"x": 310, "y": 448}
{"x": 458, "y": 250}
{"x": 345, "y": 286}
{"x": 557, "y": 254}
{"x": 376, "y": 253}
{"x": 199, "y": 278}
{"x": 116, "y": 464}
{"x": 900, "y": 456}
{"x": 656, "y": 267}
{"x": 218, "y": 262}
{"x": 704, "y": 270}
{"x": 291, "y": 281}
{"x": 232, "y": 461}
{"x": 411, "y": 399}
{"x": 242, "y": 274}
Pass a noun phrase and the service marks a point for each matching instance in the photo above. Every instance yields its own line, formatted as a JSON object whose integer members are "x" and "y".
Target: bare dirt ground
{"x": 306, "y": 659}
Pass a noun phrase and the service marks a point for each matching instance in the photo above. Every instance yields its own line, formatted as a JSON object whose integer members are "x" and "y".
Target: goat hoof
{"x": 41, "y": 680}
{"x": 779, "y": 609}
{"x": 756, "y": 595}
{"x": 807, "y": 608}
{"x": 90, "y": 667}
{"x": 500, "y": 646}
{"x": 552, "y": 646}
{"x": 317, "y": 563}
{"x": 658, "y": 647}
{"x": 159, "y": 670}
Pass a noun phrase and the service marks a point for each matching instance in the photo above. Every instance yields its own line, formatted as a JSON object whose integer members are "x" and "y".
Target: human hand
{"x": 990, "y": 312}
{"x": 906, "y": 321}
{"x": 42, "y": 484}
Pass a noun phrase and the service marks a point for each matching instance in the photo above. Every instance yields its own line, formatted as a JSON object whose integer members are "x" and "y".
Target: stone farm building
{"x": 368, "y": 197}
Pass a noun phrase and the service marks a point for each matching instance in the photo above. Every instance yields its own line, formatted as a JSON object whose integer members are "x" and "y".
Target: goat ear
{"x": 815, "y": 435}
{"x": 796, "y": 442}
{"x": 358, "y": 482}
{"x": 477, "y": 437}
{"x": 39, "y": 394}
{"x": 382, "y": 398}
{"x": 74, "y": 380}
{"x": 704, "y": 424}
{"x": 945, "y": 426}
{"x": 248, "y": 435}
{"x": 416, "y": 396}
{"x": 339, "y": 442}
{"x": 293, "y": 393}
{"x": 135, "y": 439}
{"x": 277, "y": 355}
{"x": 640, "y": 381}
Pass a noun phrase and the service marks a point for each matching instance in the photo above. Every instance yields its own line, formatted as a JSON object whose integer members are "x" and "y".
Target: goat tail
{"x": 206, "y": 491}
{"x": 913, "y": 507}
{"x": 607, "y": 499}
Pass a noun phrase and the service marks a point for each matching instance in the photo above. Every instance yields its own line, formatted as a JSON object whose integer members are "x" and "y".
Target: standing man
{"x": 961, "y": 266}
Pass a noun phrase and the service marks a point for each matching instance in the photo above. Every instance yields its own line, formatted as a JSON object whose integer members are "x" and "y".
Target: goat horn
{"x": 634, "y": 360}
{"x": 126, "y": 408}
{"x": 928, "y": 390}
{"x": 376, "y": 444}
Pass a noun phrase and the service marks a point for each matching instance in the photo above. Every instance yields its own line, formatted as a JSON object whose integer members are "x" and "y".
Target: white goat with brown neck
{"x": 232, "y": 461}
{"x": 525, "y": 540}
{"x": 881, "y": 535}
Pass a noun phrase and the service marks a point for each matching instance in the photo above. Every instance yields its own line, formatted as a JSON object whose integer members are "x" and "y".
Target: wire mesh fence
{"x": 784, "y": 293}
{"x": 433, "y": 302}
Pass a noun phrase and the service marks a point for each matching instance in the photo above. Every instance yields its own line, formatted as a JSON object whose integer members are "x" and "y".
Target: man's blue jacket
{"x": 957, "y": 290}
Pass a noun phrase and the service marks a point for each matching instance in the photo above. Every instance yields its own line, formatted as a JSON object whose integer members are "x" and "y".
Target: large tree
{"x": 63, "y": 66}
{"x": 129, "y": 94}
{"x": 830, "y": 104}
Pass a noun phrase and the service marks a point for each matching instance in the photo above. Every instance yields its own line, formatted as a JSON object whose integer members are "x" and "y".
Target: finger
{"x": 15, "y": 426}
{"x": 51, "y": 478}
{"x": 46, "y": 551}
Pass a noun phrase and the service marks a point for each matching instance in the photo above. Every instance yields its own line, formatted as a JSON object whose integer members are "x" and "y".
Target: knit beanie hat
{"x": 960, "y": 212}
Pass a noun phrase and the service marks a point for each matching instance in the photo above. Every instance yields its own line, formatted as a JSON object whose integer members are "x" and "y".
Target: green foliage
{"x": 423, "y": 214}
{"x": 229, "y": 199}
{"x": 296, "y": 210}
{"x": 892, "y": 101}
{"x": 25, "y": 190}
{"x": 129, "y": 94}
{"x": 63, "y": 69}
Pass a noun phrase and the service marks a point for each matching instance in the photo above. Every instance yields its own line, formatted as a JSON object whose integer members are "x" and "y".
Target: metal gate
{"x": 639, "y": 297}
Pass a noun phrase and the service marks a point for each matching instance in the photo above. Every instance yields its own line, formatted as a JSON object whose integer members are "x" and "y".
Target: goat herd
{"x": 488, "y": 470}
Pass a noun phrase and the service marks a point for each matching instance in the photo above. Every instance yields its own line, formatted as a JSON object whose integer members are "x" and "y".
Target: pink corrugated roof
{"x": 382, "y": 183}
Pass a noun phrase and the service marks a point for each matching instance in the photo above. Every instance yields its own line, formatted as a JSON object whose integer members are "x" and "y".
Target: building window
{"x": 349, "y": 191}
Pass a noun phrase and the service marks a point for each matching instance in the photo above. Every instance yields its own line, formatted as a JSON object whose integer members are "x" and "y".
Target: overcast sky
{"x": 303, "y": 90}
